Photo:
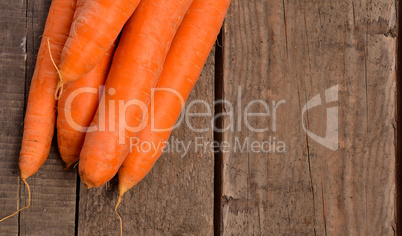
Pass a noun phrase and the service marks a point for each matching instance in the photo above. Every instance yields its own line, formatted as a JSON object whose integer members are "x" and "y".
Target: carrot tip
{"x": 23, "y": 176}
{"x": 29, "y": 201}
{"x": 122, "y": 189}
{"x": 88, "y": 185}
{"x": 67, "y": 166}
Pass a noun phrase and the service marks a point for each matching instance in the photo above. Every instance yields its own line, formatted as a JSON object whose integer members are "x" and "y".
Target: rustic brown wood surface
{"x": 12, "y": 79}
{"x": 281, "y": 52}
{"x": 294, "y": 50}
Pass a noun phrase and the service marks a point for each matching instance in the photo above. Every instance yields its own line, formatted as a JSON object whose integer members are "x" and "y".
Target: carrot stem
{"x": 29, "y": 202}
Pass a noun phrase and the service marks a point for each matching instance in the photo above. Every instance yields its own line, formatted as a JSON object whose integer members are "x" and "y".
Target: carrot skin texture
{"x": 189, "y": 51}
{"x": 136, "y": 67}
{"x": 40, "y": 115}
{"x": 77, "y": 107}
{"x": 78, "y": 103}
{"x": 92, "y": 34}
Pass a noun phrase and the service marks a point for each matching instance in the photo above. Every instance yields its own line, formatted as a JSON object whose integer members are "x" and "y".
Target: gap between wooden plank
{"x": 77, "y": 204}
{"x": 25, "y": 98}
{"x": 218, "y": 137}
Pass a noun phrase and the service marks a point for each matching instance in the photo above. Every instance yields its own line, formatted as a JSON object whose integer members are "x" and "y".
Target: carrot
{"x": 185, "y": 60}
{"x": 77, "y": 106}
{"x": 92, "y": 34}
{"x": 76, "y": 109}
{"x": 40, "y": 115}
{"x": 136, "y": 67}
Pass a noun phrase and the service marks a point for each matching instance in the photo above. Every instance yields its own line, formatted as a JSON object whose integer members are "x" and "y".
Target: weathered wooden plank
{"x": 176, "y": 198}
{"x": 12, "y": 80}
{"x": 53, "y": 190}
{"x": 293, "y": 51}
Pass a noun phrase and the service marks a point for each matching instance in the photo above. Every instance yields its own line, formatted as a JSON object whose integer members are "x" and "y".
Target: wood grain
{"x": 287, "y": 51}
{"x": 294, "y": 50}
{"x": 177, "y": 196}
{"x": 12, "y": 80}
{"x": 53, "y": 189}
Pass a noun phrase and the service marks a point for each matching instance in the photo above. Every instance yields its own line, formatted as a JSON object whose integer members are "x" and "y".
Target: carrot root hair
{"x": 76, "y": 164}
{"x": 118, "y": 215}
{"x": 60, "y": 84}
{"x": 29, "y": 202}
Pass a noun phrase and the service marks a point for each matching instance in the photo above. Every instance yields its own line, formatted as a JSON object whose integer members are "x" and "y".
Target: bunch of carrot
{"x": 97, "y": 88}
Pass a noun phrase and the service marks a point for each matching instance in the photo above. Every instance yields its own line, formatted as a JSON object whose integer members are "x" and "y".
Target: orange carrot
{"x": 40, "y": 115}
{"x": 76, "y": 109}
{"x": 92, "y": 34}
{"x": 185, "y": 60}
{"x": 136, "y": 67}
{"x": 77, "y": 105}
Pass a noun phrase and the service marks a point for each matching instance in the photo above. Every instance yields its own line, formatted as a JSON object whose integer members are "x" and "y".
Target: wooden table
{"x": 289, "y": 51}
